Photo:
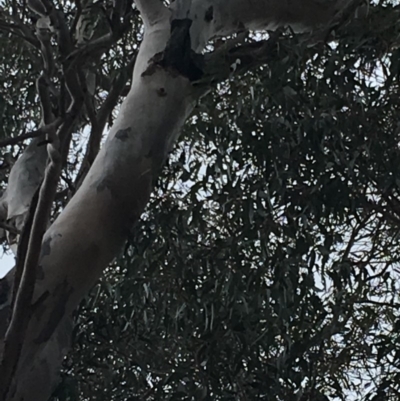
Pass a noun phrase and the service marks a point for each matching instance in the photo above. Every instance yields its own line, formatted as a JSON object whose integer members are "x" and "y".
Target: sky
{"x": 6, "y": 263}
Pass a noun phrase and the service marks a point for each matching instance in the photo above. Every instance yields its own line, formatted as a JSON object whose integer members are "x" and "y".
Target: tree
{"x": 316, "y": 196}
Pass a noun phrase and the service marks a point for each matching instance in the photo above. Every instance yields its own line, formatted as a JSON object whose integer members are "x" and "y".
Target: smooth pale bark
{"x": 92, "y": 229}
{"x": 221, "y": 18}
{"x": 25, "y": 177}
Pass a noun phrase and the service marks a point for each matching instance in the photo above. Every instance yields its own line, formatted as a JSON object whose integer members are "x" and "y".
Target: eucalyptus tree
{"x": 68, "y": 213}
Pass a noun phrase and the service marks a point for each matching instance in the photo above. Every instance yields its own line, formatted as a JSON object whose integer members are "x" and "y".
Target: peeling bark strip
{"x": 92, "y": 229}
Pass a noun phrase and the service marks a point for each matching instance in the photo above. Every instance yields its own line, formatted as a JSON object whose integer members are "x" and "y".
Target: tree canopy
{"x": 266, "y": 264}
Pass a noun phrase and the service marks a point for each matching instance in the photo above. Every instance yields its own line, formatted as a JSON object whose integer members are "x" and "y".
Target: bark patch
{"x": 152, "y": 68}
{"x": 123, "y": 134}
{"x": 161, "y": 92}
{"x": 178, "y": 54}
{"x": 40, "y": 272}
{"x": 209, "y": 15}
{"x": 103, "y": 185}
{"x": 62, "y": 293}
{"x": 38, "y": 306}
{"x": 46, "y": 247}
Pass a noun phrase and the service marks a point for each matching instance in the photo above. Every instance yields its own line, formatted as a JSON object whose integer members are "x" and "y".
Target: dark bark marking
{"x": 40, "y": 272}
{"x": 152, "y": 68}
{"x": 102, "y": 185}
{"x": 123, "y": 134}
{"x": 178, "y": 54}
{"x": 240, "y": 26}
{"x": 61, "y": 294}
{"x": 161, "y": 92}
{"x": 209, "y": 15}
{"x": 46, "y": 247}
{"x": 38, "y": 308}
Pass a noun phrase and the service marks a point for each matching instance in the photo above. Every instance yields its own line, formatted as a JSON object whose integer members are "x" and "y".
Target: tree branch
{"x": 80, "y": 55}
{"x": 9, "y": 227}
{"x": 15, "y": 30}
{"x": 97, "y": 129}
{"x": 379, "y": 303}
{"x": 18, "y": 28}
{"x": 23, "y": 246}
{"x": 33, "y": 134}
{"x": 25, "y": 278}
{"x": 228, "y": 59}
{"x": 151, "y": 11}
{"x": 35, "y": 228}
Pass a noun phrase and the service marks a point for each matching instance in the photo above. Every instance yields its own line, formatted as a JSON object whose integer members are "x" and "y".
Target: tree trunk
{"x": 92, "y": 229}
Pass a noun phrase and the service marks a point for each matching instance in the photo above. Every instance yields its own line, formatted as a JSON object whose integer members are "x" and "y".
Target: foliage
{"x": 266, "y": 264}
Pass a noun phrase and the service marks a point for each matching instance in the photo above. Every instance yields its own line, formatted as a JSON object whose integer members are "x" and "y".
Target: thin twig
{"x": 23, "y": 245}
{"x": 8, "y": 227}
{"x": 33, "y": 134}
{"x": 16, "y": 25}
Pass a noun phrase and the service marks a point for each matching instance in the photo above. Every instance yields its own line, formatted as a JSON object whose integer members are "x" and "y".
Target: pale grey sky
{"x": 6, "y": 263}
